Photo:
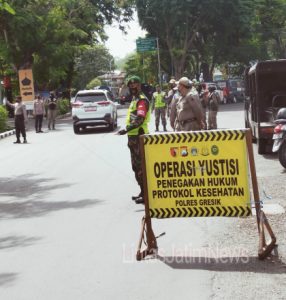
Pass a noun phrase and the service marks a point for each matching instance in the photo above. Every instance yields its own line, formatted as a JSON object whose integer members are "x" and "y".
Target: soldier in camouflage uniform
{"x": 137, "y": 120}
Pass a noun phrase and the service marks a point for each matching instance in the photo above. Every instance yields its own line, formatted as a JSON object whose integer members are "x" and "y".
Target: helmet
{"x": 281, "y": 114}
{"x": 133, "y": 79}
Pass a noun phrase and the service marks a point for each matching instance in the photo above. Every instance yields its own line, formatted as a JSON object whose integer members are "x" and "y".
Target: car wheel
{"x": 111, "y": 126}
{"x": 75, "y": 129}
{"x": 115, "y": 122}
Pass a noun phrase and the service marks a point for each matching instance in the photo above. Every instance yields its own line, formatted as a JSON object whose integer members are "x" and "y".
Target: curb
{"x": 7, "y": 133}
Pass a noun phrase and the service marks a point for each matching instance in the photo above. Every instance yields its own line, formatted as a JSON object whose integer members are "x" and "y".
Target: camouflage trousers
{"x": 160, "y": 112}
{"x": 133, "y": 145}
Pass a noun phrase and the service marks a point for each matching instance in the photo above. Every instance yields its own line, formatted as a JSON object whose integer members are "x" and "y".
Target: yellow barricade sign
{"x": 197, "y": 174}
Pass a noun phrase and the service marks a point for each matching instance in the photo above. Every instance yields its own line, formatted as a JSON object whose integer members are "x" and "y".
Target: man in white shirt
{"x": 38, "y": 112}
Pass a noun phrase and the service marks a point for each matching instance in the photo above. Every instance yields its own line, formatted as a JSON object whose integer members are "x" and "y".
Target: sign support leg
{"x": 148, "y": 235}
{"x": 264, "y": 249}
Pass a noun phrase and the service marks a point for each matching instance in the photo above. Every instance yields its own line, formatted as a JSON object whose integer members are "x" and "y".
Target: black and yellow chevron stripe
{"x": 224, "y": 211}
{"x": 194, "y": 136}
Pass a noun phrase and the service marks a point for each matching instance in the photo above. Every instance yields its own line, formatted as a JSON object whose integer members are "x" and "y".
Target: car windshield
{"x": 91, "y": 97}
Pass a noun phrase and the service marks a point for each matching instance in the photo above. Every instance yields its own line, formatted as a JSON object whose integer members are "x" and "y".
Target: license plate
{"x": 277, "y": 136}
{"x": 93, "y": 108}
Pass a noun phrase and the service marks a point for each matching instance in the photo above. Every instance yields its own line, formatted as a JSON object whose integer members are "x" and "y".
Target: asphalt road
{"x": 69, "y": 229}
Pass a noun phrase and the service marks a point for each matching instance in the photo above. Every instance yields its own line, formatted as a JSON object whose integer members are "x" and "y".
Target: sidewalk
{"x": 7, "y": 133}
{"x": 10, "y": 123}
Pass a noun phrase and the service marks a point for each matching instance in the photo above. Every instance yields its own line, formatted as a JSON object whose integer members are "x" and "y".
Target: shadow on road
{"x": 17, "y": 241}
{"x": 29, "y": 191}
{"x": 226, "y": 264}
{"x": 95, "y": 130}
{"x": 25, "y": 186}
{"x": 7, "y": 278}
{"x": 35, "y": 208}
{"x": 231, "y": 107}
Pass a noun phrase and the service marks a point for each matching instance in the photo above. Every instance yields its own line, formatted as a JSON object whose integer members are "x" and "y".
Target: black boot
{"x": 17, "y": 142}
{"x": 165, "y": 129}
{"x": 157, "y": 128}
{"x": 25, "y": 141}
{"x": 139, "y": 200}
{"x": 136, "y": 197}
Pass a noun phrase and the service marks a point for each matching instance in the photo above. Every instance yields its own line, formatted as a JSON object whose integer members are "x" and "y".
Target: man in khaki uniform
{"x": 213, "y": 102}
{"x": 189, "y": 114}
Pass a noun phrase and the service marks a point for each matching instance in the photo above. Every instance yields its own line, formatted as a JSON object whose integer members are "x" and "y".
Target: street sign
{"x": 147, "y": 44}
{"x": 26, "y": 85}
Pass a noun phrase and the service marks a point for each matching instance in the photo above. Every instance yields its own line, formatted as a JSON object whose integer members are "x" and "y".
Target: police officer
{"x": 189, "y": 115}
{"x": 137, "y": 120}
{"x": 159, "y": 105}
{"x": 21, "y": 118}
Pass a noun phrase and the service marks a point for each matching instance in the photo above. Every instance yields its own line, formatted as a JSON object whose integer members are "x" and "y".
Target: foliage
{"x": 93, "y": 83}
{"x": 90, "y": 63}
{"x": 5, "y": 6}
{"x": 270, "y": 26}
{"x": 63, "y": 106}
{"x": 197, "y": 35}
{"x": 49, "y": 35}
{"x": 3, "y": 118}
{"x": 142, "y": 65}
{"x": 195, "y": 31}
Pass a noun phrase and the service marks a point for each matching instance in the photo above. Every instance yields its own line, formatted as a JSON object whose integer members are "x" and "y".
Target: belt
{"x": 187, "y": 121}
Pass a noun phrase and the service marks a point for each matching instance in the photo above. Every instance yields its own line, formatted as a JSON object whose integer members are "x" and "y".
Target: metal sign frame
{"x": 147, "y": 234}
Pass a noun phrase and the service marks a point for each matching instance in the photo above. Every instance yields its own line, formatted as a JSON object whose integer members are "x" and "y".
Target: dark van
{"x": 265, "y": 94}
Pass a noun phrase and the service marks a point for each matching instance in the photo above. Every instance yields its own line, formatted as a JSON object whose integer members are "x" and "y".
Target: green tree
{"x": 196, "y": 32}
{"x": 93, "y": 83}
{"x": 270, "y": 26}
{"x": 48, "y": 35}
{"x": 90, "y": 63}
{"x": 4, "y": 5}
{"x": 143, "y": 65}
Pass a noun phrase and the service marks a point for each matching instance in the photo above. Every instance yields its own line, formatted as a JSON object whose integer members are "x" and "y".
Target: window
{"x": 91, "y": 97}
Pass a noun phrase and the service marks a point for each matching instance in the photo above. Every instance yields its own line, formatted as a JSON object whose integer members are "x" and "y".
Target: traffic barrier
{"x": 199, "y": 174}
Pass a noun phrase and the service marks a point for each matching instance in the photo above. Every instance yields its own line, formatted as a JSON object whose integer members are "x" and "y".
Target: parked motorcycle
{"x": 279, "y": 136}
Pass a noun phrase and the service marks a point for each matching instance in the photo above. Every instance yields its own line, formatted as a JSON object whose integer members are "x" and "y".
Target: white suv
{"x": 93, "y": 108}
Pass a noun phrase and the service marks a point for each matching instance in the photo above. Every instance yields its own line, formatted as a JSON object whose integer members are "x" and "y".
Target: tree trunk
{"x": 205, "y": 69}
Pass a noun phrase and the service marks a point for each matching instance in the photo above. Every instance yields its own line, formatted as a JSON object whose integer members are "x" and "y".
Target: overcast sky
{"x": 120, "y": 44}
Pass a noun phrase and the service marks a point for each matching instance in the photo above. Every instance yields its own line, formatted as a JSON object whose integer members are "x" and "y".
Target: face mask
{"x": 133, "y": 90}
